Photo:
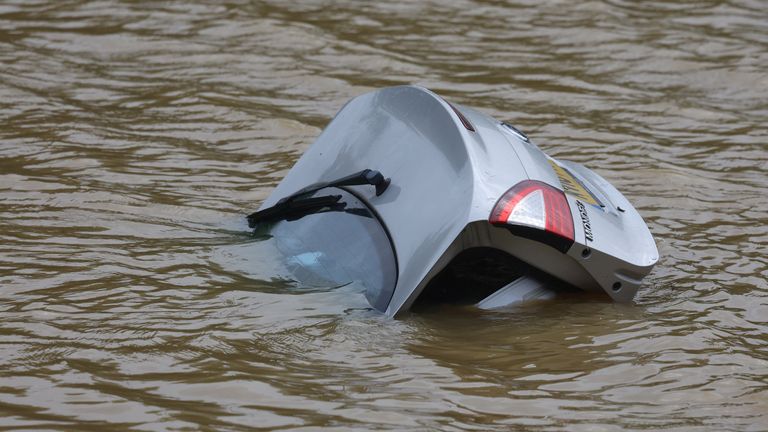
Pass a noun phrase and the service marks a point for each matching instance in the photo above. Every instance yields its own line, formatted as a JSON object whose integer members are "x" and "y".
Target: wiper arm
{"x": 363, "y": 177}
{"x": 293, "y": 207}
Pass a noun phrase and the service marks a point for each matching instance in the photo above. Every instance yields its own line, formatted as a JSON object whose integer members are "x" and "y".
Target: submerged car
{"x": 419, "y": 201}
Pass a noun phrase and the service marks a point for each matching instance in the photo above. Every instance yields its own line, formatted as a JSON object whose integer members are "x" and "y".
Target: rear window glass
{"x": 340, "y": 247}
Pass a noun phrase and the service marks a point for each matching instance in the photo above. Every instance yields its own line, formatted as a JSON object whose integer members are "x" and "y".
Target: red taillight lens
{"x": 536, "y": 205}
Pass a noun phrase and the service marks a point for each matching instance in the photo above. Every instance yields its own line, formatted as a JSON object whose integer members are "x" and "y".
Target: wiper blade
{"x": 293, "y": 207}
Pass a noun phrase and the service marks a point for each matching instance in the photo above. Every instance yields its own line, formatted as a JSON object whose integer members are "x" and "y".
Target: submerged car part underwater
{"x": 454, "y": 192}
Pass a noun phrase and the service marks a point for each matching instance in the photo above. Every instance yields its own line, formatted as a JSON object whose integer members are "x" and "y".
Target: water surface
{"x": 135, "y": 136}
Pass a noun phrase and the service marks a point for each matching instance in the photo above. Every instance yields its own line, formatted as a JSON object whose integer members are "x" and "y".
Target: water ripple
{"x": 136, "y": 135}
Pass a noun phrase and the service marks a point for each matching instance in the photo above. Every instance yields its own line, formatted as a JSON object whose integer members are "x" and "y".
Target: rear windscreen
{"x": 338, "y": 247}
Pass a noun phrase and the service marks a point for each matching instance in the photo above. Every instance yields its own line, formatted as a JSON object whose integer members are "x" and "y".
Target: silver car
{"x": 422, "y": 201}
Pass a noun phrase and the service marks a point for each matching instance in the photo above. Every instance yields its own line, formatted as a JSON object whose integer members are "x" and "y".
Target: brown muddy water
{"x": 135, "y": 136}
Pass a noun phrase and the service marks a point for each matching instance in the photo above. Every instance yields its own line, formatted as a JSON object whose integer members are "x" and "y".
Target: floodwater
{"x": 136, "y": 135}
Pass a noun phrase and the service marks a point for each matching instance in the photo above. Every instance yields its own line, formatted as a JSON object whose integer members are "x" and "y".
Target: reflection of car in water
{"x": 420, "y": 201}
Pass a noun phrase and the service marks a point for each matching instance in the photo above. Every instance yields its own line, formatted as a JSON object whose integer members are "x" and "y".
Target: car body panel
{"x": 445, "y": 181}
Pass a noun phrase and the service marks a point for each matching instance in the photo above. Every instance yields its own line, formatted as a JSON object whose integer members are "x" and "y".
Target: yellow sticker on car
{"x": 572, "y": 186}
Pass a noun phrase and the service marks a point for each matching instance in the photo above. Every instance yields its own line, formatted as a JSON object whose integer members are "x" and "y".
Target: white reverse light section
{"x": 529, "y": 211}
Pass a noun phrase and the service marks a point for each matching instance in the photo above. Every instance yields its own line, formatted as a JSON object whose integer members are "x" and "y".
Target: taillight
{"x": 538, "y": 211}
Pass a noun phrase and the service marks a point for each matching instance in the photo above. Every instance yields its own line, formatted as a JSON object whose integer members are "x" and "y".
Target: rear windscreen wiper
{"x": 295, "y": 209}
{"x": 293, "y": 206}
